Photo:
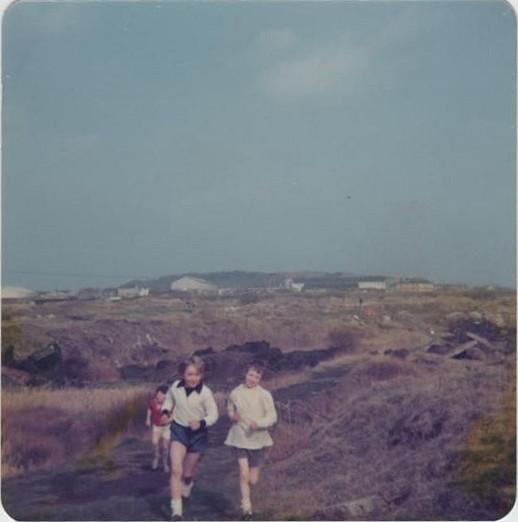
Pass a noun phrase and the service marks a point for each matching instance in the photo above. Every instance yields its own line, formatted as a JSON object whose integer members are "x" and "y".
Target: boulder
{"x": 46, "y": 358}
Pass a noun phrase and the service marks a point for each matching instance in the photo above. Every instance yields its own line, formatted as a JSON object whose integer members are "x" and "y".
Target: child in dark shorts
{"x": 252, "y": 411}
{"x": 194, "y": 410}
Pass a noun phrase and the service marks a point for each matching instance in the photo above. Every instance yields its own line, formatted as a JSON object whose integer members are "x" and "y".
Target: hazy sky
{"x": 143, "y": 139}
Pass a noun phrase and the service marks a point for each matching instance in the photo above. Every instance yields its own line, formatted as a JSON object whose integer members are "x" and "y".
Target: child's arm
{"x": 148, "y": 417}
{"x": 270, "y": 417}
{"x": 168, "y": 403}
{"x": 232, "y": 410}
{"x": 212, "y": 410}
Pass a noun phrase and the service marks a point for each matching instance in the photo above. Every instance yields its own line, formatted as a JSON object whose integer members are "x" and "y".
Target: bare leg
{"x": 155, "y": 439}
{"x": 254, "y": 475}
{"x": 178, "y": 451}
{"x": 189, "y": 465}
{"x": 244, "y": 484}
{"x": 165, "y": 453}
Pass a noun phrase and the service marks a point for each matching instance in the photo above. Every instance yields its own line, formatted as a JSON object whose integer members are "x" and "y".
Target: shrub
{"x": 342, "y": 339}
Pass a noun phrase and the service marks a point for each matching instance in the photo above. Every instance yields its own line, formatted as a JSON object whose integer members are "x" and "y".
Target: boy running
{"x": 159, "y": 423}
{"x": 252, "y": 411}
{"x": 194, "y": 410}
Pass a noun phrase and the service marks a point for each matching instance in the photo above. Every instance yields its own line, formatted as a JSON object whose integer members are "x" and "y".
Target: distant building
{"x": 372, "y": 285}
{"x": 132, "y": 292}
{"x": 294, "y": 287}
{"x": 11, "y": 292}
{"x": 415, "y": 285}
{"x": 193, "y": 284}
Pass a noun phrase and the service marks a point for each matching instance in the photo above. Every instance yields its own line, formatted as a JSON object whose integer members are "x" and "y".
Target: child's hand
{"x": 148, "y": 423}
{"x": 194, "y": 425}
{"x": 236, "y": 417}
{"x": 253, "y": 426}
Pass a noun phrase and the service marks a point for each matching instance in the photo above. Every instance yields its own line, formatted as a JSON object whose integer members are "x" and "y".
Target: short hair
{"x": 195, "y": 361}
{"x": 162, "y": 388}
{"x": 257, "y": 367}
{"x": 164, "y": 412}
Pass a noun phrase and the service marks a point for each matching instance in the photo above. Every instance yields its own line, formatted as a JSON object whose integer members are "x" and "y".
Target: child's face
{"x": 191, "y": 376}
{"x": 252, "y": 378}
{"x": 160, "y": 397}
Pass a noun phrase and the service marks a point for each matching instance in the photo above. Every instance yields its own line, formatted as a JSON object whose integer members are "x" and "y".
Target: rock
{"x": 385, "y": 321}
{"x": 134, "y": 372}
{"x": 204, "y": 351}
{"x": 439, "y": 349}
{"x": 479, "y": 339}
{"x": 47, "y": 358}
{"x": 400, "y": 353}
{"x": 471, "y": 354}
{"x": 362, "y": 506}
{"x": 476, "y": 316}
{"x": 462, "y": 348}
{"x": 165, "y": 364}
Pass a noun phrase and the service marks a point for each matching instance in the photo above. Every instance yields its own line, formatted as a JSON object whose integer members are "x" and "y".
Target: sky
{"x": 150, "y": 138}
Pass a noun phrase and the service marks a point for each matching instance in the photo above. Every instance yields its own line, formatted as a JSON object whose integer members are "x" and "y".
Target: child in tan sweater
{"x": 252, "y": 411}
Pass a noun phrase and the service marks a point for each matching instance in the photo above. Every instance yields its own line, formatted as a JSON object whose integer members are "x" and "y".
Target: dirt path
{"x": 123, "y": 486}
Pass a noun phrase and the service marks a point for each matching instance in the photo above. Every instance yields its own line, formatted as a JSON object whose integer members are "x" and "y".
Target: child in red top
{"x": 159, "y": 421}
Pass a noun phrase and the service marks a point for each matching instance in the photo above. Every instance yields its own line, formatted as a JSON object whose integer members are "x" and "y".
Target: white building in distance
{"x": 12, "y": 292}
{"x": 372, "y": 285}
{"x": 132, "y": 292}
{"x": 193, "y": 284}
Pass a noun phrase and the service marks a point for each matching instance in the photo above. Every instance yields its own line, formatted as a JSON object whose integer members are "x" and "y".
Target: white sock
{"x": 246, "y": 505}
{"x": 176, "y": 506}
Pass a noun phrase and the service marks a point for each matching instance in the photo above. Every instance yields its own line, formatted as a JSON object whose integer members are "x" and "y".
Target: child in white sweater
{"x": 194, "y": 410}
{"x": 252, "y": 411}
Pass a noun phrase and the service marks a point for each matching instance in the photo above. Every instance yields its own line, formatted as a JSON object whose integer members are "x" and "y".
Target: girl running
{"x": 252, "y": 411}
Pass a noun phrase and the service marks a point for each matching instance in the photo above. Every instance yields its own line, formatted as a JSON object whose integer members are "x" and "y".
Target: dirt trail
{"x": 122, "y": 486}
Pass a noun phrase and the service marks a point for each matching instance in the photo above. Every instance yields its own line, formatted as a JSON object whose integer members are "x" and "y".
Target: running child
{"x": 159, "y": 422}
{"x": 252, "y": 411}
{"x": 194, "y": 410}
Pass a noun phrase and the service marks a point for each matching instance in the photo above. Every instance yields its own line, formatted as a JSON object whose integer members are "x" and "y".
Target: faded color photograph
{"x": 258, "y": 260}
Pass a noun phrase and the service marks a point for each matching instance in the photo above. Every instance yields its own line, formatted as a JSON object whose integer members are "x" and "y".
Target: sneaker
{"x": 176, "y": 517}
{"x": 186, "y": 489}
{"x": 246, "y": 511}
{"x": 154, "y": 464}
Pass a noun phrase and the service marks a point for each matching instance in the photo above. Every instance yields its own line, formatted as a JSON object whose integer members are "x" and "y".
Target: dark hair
{"x": 258, "y": 367}
{"x": 164, "y": 412}
{"x": 162, "y": 388}
{"x": 195, "y": 361}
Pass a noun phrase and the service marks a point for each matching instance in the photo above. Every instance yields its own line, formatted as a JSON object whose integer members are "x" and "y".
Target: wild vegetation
{"x": 401, "y": 406}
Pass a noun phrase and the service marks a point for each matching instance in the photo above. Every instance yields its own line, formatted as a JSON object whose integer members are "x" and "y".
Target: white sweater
{"x": 252, "y": 404}
{"x": 199, "y": 405}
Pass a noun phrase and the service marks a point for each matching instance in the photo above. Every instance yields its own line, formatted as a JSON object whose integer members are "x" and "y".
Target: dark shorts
{"x": 195, "y": 441}
{"x": 255, "y": 456}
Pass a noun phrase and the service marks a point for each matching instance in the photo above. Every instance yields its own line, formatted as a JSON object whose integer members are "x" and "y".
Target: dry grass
{"x": 487, "y": 469}
{"x": 45, "y": 427}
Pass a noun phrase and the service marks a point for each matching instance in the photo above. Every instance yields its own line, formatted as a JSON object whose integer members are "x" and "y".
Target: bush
{"x": 342, "y": 339}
